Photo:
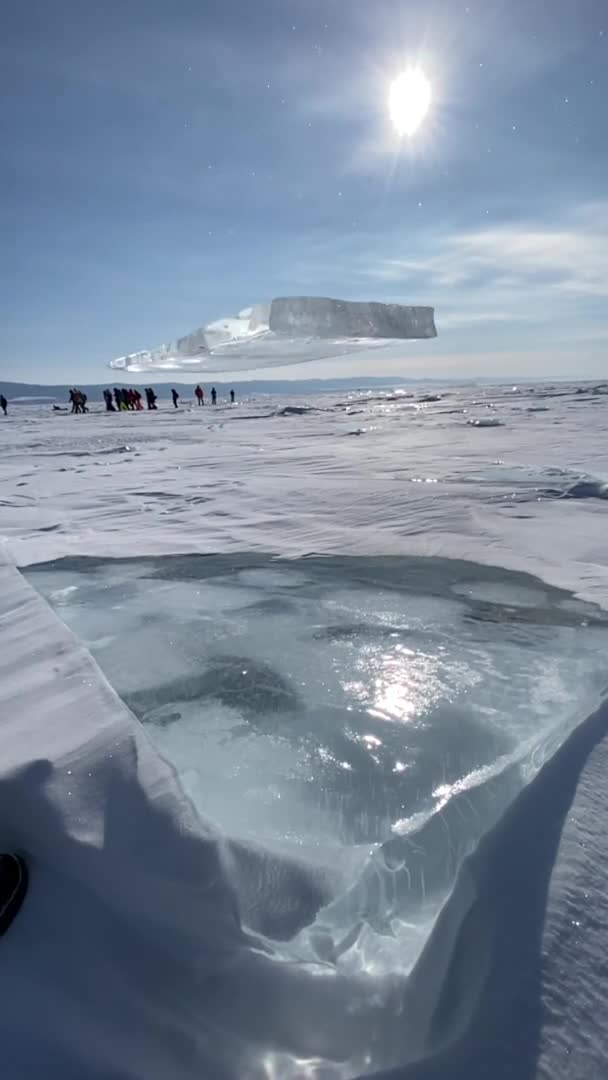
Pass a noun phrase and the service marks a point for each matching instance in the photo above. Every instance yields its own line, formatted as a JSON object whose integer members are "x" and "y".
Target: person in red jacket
{"x": 200, "y": 395}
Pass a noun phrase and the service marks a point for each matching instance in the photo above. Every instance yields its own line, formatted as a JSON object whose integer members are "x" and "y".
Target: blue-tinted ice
{"x": 371, "y": 717}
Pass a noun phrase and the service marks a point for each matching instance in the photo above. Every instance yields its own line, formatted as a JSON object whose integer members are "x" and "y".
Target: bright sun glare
{"x": 409, "y": 100}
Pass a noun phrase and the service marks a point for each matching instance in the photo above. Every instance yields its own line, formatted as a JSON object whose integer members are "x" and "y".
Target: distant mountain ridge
{"x": 58, "y": 392}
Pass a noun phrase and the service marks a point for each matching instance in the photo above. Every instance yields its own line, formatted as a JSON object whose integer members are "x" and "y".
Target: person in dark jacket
{"x": 3, "y": 403}
{"x": 175, "y": 396}
{"x": 213, "y": 396}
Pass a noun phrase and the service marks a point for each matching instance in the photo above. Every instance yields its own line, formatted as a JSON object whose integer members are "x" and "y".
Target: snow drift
{"x": 294, "y": 329}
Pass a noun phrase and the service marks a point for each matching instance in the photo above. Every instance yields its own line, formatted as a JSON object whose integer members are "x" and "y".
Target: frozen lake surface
{"x": 368, "y": 634}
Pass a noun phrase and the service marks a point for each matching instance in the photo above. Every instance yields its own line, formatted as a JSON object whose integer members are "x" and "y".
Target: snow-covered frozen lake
{"x": 368, "y": 634}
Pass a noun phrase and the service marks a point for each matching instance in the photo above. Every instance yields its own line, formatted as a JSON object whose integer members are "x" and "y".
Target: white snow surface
{"x": 231, "y": 873}
{"x": 355, "y": 473}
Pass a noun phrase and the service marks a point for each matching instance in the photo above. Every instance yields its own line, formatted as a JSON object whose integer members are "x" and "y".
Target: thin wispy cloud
{"x": 571, "y": 256}
{"x": 519, "y": 272}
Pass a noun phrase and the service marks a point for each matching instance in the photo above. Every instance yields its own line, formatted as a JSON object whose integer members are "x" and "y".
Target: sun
{"x": 409, "y": 101}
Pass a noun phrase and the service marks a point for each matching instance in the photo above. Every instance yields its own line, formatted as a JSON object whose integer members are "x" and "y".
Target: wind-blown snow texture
{"x": 293, "y": 329}
{"x": 393, "y": 860}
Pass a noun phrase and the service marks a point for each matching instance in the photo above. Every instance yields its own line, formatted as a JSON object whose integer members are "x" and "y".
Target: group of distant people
{"x": 78, "y": 401}
{"x": 125, "y": 399}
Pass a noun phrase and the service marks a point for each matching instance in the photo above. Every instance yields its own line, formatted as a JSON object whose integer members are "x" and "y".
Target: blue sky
{"x": 170, "y": 163}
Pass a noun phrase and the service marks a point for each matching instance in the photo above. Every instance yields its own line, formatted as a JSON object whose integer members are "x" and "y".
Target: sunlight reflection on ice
{"x": 280, "y": 1066}
{"x": 397, "y": 685}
